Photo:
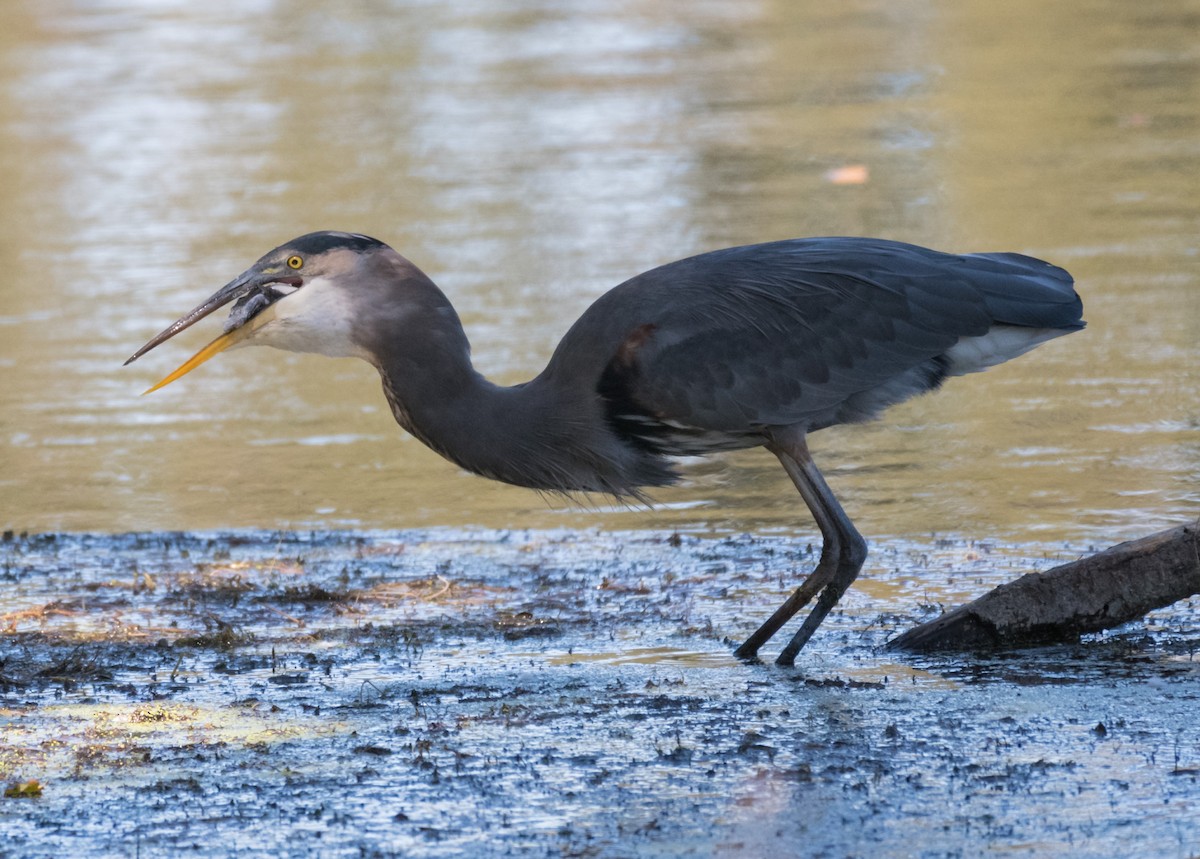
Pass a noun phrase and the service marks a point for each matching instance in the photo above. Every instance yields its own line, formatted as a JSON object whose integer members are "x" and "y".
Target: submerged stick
{"x": 1104, "y": 590}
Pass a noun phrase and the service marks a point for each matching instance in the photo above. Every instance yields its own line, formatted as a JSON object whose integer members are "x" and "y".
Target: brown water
{"x": 567, "y": 690}
{"x": 529, "y": 156}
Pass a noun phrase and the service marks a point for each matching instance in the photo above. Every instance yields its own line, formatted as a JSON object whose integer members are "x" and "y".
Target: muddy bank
{"x": 555, "y": 693}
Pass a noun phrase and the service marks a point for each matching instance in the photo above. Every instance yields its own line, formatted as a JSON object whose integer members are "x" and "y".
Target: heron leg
{"x": 842, "y": 553}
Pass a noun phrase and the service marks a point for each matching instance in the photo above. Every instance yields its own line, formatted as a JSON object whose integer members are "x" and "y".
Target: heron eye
{"x": 294, "y": 262}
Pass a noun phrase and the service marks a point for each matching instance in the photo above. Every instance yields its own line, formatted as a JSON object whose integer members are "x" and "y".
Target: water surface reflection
{"x": 529, "y": 157}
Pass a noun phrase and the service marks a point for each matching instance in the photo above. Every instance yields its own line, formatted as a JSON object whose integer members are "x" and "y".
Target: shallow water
{"x": 329, "y": 681}
{"x": 571, "y": 693}
{"x": 531, "y": 156}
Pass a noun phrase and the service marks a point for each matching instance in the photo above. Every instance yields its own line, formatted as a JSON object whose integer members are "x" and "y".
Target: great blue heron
{"x": 737, "y": 348}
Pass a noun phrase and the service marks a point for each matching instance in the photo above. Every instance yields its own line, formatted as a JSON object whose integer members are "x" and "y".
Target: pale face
{"x": 316, "y": 317}
{"x": 294, "y": 298}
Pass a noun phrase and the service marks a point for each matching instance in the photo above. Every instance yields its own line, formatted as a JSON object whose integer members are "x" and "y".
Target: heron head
{"x": 298, "y": 297}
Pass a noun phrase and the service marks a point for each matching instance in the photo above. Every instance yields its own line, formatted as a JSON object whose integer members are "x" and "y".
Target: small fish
{"x": 249, "y": 305}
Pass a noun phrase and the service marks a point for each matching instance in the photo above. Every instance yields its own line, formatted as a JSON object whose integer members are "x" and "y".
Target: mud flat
{"x": 482, "y": 693}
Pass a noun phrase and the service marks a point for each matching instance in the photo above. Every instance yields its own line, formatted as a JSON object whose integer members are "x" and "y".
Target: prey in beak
{"x": 250, "y": 292}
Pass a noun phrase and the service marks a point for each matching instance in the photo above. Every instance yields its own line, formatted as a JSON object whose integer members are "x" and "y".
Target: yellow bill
{"x": 219, "y": 345}
{"x": 238, "y": 288}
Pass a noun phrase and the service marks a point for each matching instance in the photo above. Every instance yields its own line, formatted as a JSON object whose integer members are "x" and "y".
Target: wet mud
{"x": 450, "y": 693}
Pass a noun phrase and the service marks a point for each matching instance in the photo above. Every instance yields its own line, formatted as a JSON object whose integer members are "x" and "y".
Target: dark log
{"x": 1104, "y": 590}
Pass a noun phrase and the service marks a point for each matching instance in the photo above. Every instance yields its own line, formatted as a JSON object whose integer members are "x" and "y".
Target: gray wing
{"x": 787, "y": 332}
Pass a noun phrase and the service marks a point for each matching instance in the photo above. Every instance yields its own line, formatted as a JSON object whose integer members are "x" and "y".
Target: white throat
{"x": 317, "y": 317}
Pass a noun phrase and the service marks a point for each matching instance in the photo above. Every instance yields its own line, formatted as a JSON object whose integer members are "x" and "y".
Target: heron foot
{"x": 829, "y": 597}
{"x": 832, "y": 576}
{"x": 816, "y": 582}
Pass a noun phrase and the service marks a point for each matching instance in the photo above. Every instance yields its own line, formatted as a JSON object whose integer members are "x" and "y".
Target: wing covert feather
{"x": 779, "y": 333}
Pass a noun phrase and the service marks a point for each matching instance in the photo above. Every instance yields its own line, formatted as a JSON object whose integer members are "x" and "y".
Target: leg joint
{"x": 854, "y": 549}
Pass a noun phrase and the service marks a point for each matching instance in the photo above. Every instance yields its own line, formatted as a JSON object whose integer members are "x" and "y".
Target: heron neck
{"x": 417, "y": 343}
{"x": 519, "y": 434}
{"x": 550, "y": 433}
